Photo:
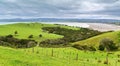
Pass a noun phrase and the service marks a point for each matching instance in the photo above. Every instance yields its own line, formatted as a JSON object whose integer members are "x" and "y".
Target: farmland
{"x": 60, "y": 56}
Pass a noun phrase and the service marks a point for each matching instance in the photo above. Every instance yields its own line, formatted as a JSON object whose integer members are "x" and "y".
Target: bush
{"x": 91, "y": 48}
{"x": 105, "y": 62}
{"x": 108, "y": 44}
{"x": 84, "y": 47}
{"x": 30, "y": 36}
{"x": 9, "y": 36}
{"x": 17, "y": 43}
{"x": 40, "y": 35}
{"x": 101, "y": 47}
{"x": 99, "y": 61}
{"x": 54, "y": 42}
{"x": 15, "y": 32}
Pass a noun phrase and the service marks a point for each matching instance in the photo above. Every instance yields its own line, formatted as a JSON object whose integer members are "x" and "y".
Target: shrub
{"x": 54, "y": 42}
{"x": 99, "y": 61}
{"x": 15, "y": 32}
{"x": 84, "y": 47}
{"x": 105, "y": 62}
{"x": 118, "y": 60}
{"x": 40, "y": 35}
{"x": 17, "y": 43}
{"x": 9, "y": 36}
{"x": 108, "y": 44}
{"x": 101, "y": 47}
{"x": 30, "y": 36}
{"x": 91, "y": 48}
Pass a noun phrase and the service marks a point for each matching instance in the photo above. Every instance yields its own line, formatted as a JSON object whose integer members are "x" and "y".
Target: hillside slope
{"x": 94, "y": 41}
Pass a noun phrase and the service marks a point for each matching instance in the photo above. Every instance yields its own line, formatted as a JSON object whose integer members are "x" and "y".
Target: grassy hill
{"x": 26, "y": 29}
{"x": 38, "y": 56}
{"x": 94, "y": 41}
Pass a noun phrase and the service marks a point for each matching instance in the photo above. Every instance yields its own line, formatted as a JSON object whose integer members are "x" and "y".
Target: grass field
{"x": 54, "y": 56}
{"x": 39, "y": 56}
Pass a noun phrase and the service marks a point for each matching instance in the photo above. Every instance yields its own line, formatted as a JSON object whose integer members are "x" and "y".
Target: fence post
{"x": 116, "y": 63}
{"x": 107, "y": 58}
{"x": 33, "y": 49}
{"x": 52, "y": 53}
{"x": 77, "y": 56}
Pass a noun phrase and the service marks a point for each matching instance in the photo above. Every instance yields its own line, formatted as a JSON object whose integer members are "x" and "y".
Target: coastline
{"x": 95, "y": 26}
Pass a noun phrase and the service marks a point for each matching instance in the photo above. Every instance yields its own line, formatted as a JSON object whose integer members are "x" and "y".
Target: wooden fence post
{"x": 33, "y": 49}
{"x": 52, "y": 53}
{"x": 77, "y": 56}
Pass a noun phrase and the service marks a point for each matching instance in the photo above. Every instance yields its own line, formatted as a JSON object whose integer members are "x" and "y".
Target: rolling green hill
{"x": 94, "y": 41}
{"x": 39, "y": 56}
{"x": 26, "y": 29}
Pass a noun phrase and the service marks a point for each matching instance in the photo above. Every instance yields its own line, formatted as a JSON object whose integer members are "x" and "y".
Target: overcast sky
{"x": 88, "y": 9}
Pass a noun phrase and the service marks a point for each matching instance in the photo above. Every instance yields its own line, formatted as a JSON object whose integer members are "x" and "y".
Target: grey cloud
{"x": 104, "y": 1}
{"x": 56, "y": 8}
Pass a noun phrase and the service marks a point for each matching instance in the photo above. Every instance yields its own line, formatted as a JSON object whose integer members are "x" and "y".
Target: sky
{"x": 82, "y": 9}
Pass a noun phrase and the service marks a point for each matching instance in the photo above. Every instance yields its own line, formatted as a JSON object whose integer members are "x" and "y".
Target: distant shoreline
{"x": 95, "y": 26}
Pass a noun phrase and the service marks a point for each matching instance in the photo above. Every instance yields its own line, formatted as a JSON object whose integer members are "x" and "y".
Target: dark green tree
{"x": 16, "y": 32}
{"x": 30, "y": 36}
{"x": 40, "y": 35}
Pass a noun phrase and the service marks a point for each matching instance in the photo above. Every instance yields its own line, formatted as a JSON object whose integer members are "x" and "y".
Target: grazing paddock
{"x": 38, "y": 56}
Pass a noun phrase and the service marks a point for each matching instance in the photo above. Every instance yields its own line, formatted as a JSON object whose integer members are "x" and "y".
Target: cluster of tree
{"x": 107, "y": 44}
{"x": 84, "y": 47}
{"x": 10, "y": 41}
{"x": 54, "y": 43}
{"x": 70, "y": 35}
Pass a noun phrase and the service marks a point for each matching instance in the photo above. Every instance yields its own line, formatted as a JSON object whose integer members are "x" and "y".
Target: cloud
{"x": 60, "y": 8}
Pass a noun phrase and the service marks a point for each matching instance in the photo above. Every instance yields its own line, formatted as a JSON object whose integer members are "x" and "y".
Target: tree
{"x": 40, "y": 35}
{"x": 107, "y": 44}
{"x": 15, "y": 32}
{"x": 30, "y": 36}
